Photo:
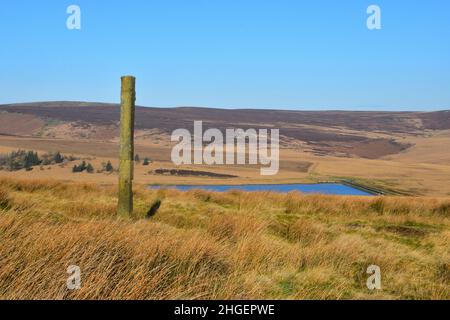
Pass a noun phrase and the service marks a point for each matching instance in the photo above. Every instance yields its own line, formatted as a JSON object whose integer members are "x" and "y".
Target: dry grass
{"x": 205, "y": 245}
{"x": 422, "y": 170}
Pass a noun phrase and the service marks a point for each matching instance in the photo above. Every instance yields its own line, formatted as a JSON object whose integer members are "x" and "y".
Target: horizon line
{"x": 312, "y": 109}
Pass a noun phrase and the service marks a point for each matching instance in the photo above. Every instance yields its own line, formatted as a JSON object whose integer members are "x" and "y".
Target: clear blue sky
{"x": 228, "y": 53}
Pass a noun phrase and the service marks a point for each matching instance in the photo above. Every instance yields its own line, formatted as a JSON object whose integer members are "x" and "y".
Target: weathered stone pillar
{"x": 126, "y": 157}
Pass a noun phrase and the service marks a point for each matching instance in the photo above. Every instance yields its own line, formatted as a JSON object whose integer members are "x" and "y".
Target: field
{"x": 235, "y": 245}
{"x": 397, "y": 152}
{"x": 203, "y": 245}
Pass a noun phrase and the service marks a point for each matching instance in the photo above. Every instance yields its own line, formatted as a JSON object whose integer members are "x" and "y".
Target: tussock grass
{"x": 4, "y": 198}
{"x": 206, "y": 245}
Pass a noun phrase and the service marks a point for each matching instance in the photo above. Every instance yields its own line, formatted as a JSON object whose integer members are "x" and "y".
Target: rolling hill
{"x": 363, "y": 134}
{"x": 401, "y": 151}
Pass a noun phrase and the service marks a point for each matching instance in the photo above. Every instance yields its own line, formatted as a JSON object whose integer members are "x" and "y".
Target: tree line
{"x": 27, "y": 159}
{"x": 22, "y": 159}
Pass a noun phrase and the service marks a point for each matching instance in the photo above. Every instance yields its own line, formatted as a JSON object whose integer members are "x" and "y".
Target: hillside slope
{"x": 172, "y": 118}
{"x": 402, "y": 152}
{"x": 362, "y": 134}
{"x": 203, "y": 245}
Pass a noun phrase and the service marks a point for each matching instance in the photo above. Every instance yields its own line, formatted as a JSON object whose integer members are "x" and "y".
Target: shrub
{"x": 90, "y": 168}
{"x": 109, "y": 167}
{"x": 53, "y": 158}
{"x": 80, "y": 168}
{"x": 58, "y": 158}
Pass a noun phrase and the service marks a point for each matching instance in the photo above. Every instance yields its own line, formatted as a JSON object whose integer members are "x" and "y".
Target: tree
{"x": 109, "y": 167}
{"x": 136, "y": 158}
{"x": 90, "y": 168}
{"x": 80, "y": 168}
{"x": 31, "y": 159}
{"x": 58, "y": 158}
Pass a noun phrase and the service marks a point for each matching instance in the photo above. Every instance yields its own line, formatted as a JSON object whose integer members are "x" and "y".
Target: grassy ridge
{"x": 229, "y": 246}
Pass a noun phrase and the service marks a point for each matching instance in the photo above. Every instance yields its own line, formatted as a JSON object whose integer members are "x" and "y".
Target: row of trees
{"x": 146, "y": 161}
{"x": 89, "y": 168}
{"x": 21, "y": 159}
{"x": 83, "y": 167}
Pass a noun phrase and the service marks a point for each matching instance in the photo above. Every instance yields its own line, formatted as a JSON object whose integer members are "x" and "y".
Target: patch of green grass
{"x": 288, "y": 285}
{"x": 48, "y": 124}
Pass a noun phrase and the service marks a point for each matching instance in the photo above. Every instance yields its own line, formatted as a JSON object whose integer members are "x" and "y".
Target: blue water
{"x": 320, "y": 188}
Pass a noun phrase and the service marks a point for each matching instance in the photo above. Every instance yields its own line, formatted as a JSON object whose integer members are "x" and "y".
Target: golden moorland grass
{"x": 421, "y": 170}
{"x": 206, "y": 245}
{"x": 383, "y": 175}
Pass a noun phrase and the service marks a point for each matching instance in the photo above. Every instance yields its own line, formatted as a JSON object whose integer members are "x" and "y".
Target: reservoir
{"x": 318, "y": 188}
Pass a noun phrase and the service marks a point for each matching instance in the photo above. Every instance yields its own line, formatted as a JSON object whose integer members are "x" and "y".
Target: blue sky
{"x": 227, "y": 53}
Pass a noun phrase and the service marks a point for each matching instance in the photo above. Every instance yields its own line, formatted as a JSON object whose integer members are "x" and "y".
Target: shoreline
{"x": 370, "y": 192}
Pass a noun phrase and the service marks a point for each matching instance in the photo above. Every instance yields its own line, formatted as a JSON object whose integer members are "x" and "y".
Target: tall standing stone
{"x": 126, "y": 158}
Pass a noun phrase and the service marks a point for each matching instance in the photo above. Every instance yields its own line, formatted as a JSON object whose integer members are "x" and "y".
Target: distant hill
{"x": 171, "y": 118}
{"x": 346, "y": 132}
